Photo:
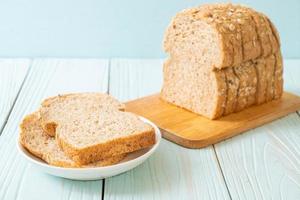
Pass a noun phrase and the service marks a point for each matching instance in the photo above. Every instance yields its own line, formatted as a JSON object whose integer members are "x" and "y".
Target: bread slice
{"x": 62, "y": 107}
{"x": 261, "y": 29}
{"x": 35, "y": 140}
{"x": 261, "y": 72}
{"x": 278, "y": 76}
{"x": 270, "y": 68}
{"x": 94, "y": 136}
{"x": 232, "y": 90}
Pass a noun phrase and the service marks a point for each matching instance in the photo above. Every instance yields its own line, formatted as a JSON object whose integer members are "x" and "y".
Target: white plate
{"x": 132, "y": 160}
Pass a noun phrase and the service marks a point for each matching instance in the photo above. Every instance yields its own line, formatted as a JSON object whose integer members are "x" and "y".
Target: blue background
{"x": 111, "y": 28}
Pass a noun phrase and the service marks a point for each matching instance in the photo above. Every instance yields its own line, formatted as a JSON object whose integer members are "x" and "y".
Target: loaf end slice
{"x": 40, "y": 144}
{"x": 106, "y": 134}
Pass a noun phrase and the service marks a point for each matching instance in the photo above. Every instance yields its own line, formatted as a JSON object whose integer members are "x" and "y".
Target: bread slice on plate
{"x": 95, "y": 136}
{"x": 40, "y": 144}
{"x": 63, "y": 107}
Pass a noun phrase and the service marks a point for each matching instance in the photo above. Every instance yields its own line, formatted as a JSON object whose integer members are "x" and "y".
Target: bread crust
{"x": 108, "y": 149}
{"x": 251, "y": 43}
{"x": 260, "y": 65}
{"x": 242, "y": 90}
{"x": 271, "y": 34}
{"x": 278, "y": 76}
{"x": 270, "y": 68}
{"x": 232, "y": 90}
{"x": 252, "y": 85}
{"x": 71, "y": 164}
{"x": 275, "y": 33}
{"x": 244, "y": 33}
{"x": 261, "y": 27}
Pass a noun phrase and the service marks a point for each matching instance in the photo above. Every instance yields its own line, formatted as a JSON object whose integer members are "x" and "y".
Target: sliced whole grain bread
{"x": 40, "y": 144}
{"x": 221, "y": 59}
{"x": 94, "y": 136}
{"x": 63, "y": 107}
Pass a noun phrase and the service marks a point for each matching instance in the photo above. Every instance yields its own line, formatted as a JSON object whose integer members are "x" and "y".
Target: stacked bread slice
{"x": 84, "y": 130}
{"x": 223, "y": 58}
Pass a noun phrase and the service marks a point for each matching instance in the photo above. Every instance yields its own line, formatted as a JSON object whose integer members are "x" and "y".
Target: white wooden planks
{"x": 173, "y": 172}
{"x": 264, "y": 163}
{"x": 12, "y": 74}
{"x": 18, "y": 179}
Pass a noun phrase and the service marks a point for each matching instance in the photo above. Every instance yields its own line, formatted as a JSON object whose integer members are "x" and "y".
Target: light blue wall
{"x": 115, "y": 28}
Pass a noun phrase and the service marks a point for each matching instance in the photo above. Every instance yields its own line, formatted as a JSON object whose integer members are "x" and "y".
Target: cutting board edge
{"x": 201, "y": 143}
{"x": 204, "y": 142}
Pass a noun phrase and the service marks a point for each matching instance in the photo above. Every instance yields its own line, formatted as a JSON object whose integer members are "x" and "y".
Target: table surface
{"x": 263, "y": 163}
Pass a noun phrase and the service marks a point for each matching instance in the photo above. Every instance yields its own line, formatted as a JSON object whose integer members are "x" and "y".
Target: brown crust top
{"x": 244, "y": 33}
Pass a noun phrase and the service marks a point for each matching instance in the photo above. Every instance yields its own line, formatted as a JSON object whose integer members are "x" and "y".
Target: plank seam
{"x": 15, "y": 100}
{"x": 103, "y": 188}
{"x": 20, "y": 183}
{"x": 220, "y": 168}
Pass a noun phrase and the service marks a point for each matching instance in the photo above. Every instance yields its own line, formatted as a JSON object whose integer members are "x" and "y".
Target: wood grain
{"x": 18, "y": 179}
{"x": 264, "y": 163}
{"x": 194, "y": 131}
{"x": 173, "y": 172}
{"x": 12, "y": 74}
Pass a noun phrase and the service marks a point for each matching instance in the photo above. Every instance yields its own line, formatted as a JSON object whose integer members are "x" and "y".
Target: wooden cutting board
{"x": 194, "y": 131}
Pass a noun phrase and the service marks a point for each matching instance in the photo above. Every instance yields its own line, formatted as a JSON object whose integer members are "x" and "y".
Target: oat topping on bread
{"x": 223, "y": 58}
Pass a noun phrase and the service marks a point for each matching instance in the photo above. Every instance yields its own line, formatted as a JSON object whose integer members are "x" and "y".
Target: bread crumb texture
{"x": 64, "y": 107}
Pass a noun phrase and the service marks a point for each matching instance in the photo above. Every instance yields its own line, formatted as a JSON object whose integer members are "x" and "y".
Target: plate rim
{"x": 152, "y": 149}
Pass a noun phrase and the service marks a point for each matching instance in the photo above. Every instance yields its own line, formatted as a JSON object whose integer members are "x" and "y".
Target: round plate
{"x": 129, "y": 162}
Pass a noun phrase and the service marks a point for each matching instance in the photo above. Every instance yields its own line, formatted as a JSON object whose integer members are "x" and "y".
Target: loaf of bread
{"x": 63, "y": 108}
{"x": 40, "y": 144}
{"x": 223, "y": 58}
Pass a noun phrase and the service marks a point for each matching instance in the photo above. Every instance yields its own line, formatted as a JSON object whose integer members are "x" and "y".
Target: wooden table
{"x": 263, "y": 163}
